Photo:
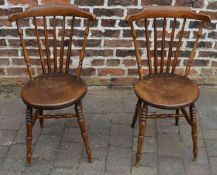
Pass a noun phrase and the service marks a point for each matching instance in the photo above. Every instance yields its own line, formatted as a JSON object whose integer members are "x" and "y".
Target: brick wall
{"x": 109, "y": 57}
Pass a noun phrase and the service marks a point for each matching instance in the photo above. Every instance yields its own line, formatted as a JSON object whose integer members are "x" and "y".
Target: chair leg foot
{"x": 81, "y": 122}
{"x": 177, "y": 117}
{"x": 194, "y": 130}
{"x": 136, "y": 114}
{"x": 142, "y": 124}
{"x": 41, "y": 120}
{"x": 29, "y": 135}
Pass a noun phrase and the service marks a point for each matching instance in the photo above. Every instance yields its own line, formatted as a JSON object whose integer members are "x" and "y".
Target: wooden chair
{"x": 56, "y": 88}
{"x": 162, "y": 87}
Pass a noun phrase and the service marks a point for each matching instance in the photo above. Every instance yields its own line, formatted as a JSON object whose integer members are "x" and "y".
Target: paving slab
{"x": 58, "y": 148}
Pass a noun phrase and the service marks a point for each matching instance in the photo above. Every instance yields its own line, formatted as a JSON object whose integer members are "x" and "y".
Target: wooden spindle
{"x": 46, "y": 44}
{"x": 82, "y": 53}
{"x": 62, "y": 44}
{"x": 178, "y": 47}
{"x": 25, "y": 53}
{"x": 70, "y": 45}
{"x": 171, "y": 46}
{"x": 192, "y": 54}
{"x": 155, "y": 47}
{"x": 163, "y": 46}
{"x": 54, "y": 44}
{"x": 138, "y": 58}
{"x": 148, "y": 47}
{"x": 39, "y": 45}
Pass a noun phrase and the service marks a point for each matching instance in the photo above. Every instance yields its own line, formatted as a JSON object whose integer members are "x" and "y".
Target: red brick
{"x": 124, "y": 53}
{"x": 118, "y": 43}
{"x": 129, "y": 62}
{"x": 2, "y": 71}
{"x": 111, "y": 72}
{"x": 214, "y": 64}
{"x": 2, "y": 42}
{"x": 157, "y": 2}
{"x": 109, "y": 12}
{"x": 190, "y": 3}
{"x": 212, "y": 35}
{"x": 208, "y": 54}
{"x": 88, "y": 71}
{"x": 6, "y": 12}
{"x": 18, "y": 71}
{"x": 108, "y": 22}
{"x": 8, "y": 52}
{"x": 30, "y": 2}
{"x": 112, "y": 62}
{"x": 101, "y": 52}
{"x": 212, "y": 5}
{"x": 89, "y": 3}
{"x": 5, "y": 22}
{"x": 55, "y": 1}
{"x": 198, "y": 63}
{"x": 98, "y": 62}
{"x": 213, "y": 15}
{"x": 2, "y": 2}
{"x": 122, "y": 2}
{"x": 4, "y": 61}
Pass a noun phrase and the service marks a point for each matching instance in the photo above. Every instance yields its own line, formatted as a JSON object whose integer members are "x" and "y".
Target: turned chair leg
{"x": 29, "y": 135}
{"x": 41, "y": 120}
{"x": 177, "y": 117}
{"x": 194, "y": 130}
{"x": 81, "y": 122}
{"x": 137, "y": 113}
{"x": 142, "y": 124}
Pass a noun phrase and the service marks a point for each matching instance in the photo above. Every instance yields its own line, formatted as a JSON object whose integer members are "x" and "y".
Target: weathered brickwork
{"x": 110, "y": 58}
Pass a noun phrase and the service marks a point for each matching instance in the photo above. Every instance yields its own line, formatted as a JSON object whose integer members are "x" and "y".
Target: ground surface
{"x": 58, "y": 148}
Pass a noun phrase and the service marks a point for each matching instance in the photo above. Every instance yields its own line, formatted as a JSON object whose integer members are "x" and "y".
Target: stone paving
{"x": 58, "y": 148}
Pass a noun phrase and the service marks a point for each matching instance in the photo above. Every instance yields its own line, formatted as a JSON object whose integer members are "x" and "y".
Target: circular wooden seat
{"x": 53, "y": 91}
{"x": 167, "y": 91}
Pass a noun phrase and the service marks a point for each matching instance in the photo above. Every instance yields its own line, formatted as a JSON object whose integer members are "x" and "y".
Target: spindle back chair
{"x": 163, "y": 87}
{"x": 56, "y": 87}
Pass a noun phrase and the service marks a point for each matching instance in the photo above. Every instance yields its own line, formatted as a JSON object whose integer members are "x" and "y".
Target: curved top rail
{"x": 52, "y": 10}
{"x": 167, "y": 12}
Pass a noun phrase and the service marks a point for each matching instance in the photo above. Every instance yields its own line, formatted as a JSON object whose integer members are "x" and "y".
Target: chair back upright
{"x": 52, "y": 35}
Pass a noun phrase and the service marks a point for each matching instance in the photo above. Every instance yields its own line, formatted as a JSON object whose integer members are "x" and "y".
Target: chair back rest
{"x": 167, "y": 41}
{"x": 52, "y": 36}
